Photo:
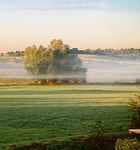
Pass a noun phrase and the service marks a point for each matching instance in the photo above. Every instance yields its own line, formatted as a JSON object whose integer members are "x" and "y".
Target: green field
{"x": 45, "y": 113}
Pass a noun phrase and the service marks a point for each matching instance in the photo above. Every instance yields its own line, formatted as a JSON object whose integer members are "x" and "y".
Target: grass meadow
{"x": 60, "y": 112}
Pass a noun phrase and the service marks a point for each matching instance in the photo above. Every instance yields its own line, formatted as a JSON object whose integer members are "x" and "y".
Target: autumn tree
{"x": 54, "y": 63}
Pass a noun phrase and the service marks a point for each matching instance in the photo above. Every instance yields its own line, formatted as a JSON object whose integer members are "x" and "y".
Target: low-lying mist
{"x": 110, "y": 69}
{"x": 100, "y": 69}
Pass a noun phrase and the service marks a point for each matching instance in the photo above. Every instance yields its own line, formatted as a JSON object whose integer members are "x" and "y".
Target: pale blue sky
{"x": 79, "y": 23}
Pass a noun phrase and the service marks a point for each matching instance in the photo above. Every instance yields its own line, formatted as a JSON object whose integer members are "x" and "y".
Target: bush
{"x": 135, "y": 108}
{"x": 94, "y": 142}
{"x": 127, "y": 144}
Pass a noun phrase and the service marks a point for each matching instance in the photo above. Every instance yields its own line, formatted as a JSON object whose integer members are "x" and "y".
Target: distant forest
{"x": 122, "y": 53}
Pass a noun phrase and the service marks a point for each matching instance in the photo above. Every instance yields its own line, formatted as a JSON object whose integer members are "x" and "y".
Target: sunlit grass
{"x": 42, "y": 113}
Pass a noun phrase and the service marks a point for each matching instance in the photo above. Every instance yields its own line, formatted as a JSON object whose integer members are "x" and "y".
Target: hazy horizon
{"x": 81, "y": 23}
{"x": 99, "y": 69}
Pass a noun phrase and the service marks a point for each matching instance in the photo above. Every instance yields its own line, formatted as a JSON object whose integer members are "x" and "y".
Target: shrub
{"x": 135, "y": 108}
{"x": 127, "y": 144}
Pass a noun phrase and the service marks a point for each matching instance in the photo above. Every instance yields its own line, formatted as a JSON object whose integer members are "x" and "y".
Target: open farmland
{"x": 45, "y": 113}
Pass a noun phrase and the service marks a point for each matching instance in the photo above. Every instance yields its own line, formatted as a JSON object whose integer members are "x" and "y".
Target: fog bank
{"x": 100, "y": 69}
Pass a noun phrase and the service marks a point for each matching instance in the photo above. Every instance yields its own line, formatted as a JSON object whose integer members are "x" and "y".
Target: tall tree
{"x": 54, "y": 63}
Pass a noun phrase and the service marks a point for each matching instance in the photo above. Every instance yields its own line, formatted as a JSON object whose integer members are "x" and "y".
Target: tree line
{"x": 12, "y": 54}
{"x": 128, "y": 52}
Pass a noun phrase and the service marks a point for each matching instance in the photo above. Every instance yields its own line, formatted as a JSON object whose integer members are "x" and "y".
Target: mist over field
{"x": 100, "y": 69}
{"x": 13, "y": 70}
{"x": 110, "y": 69}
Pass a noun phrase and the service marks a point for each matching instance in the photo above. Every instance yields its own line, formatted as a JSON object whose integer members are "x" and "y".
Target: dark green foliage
{"x": 99, "y": 139}
{"x": 99, "y": 127}
{"x": 98, "y": 130}
{"x": 103, "y": 142}
{"x": 135, "y": 108}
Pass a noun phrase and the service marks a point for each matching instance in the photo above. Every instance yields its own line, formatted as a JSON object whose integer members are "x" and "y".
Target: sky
{"x": 79, "y": 23}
